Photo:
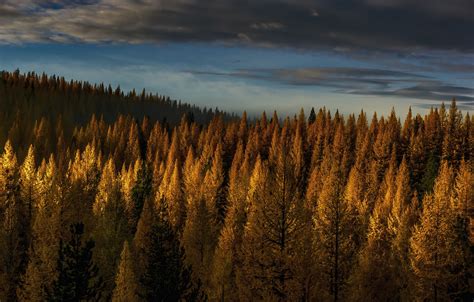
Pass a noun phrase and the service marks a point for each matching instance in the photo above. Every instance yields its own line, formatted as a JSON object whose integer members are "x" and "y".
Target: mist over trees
{"x": 102, "y": 202}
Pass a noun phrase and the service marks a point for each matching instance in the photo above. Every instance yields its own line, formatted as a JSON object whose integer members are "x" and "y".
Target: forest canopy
{"x": 100, "y": 199}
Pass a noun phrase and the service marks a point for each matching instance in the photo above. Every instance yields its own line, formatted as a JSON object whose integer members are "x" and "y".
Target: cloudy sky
{"x": 254, "y": 55}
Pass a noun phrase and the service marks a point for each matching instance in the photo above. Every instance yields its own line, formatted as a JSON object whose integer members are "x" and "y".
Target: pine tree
{"x": 201, "y": 227}
{"x": 245, "y": 272}
{"x": 111, "y": 227}
{"x": 462, "y": 203}
{"x": 14, "y": 227}
{"x": 274, "y": 229}
{"x": 436, "y": 253}
{"x": 401, "y": 232}
{"x": 141, "y": 191}
{"x": 28, "y": 189}
{"x": 373, "y": 271}
{"x": 402, "y": 217}
{"x": 213, "y": 188}
{"x": 126, "y": 282}
{"x": 226, "y": 259}
{"x": 43, "y": 252}
{"x": 166, "y": 276}
{"x": 452, "y": 142}
{"x": 133, "y": 150}
{"x": 429, "y": 176}
{"x": 83, "y": 179}
{"x": 334, "y": 244}
{"x": 78, "y": 277}
{"x": 172, "y": 191}
{"x": 312, "y": 116}
{"x": 356, "y": 192}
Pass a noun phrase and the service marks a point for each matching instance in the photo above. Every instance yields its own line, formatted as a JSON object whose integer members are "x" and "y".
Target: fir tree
{"x": 334, "y": 244}
{"x": 43, "y": 251}
{"x": 78, "y": 277}
{"x": 140, "y": 192}
{"x": 126, "y": 282}
{"x": 166, "y": 276}
{"x": 436, "y": 253}
{"x": 14, "y": 229}
{"x": 111, "y": 227}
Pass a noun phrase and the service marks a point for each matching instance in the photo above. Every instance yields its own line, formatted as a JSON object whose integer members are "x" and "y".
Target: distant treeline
{"x": 25, "y": 99}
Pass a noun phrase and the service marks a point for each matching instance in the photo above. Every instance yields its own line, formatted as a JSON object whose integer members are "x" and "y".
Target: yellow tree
{"x": 213, "y": 190}
{"x": 199, "y": 234}
{"x": 111, "y": 227}
{"x": 452, "y": 142}
{"x": 83, "y": 178}
{"x": 172, "y": 191}
{"x": 462, "y": 203}
{"x": 273, "y": 233}
{"x": 334, "y": 242}
{"x": 43, "y": 252}
{"x": 372, "y": 272}
{"x": 126, "y": 282}
{"x": 401, "y": 219}
{"x": 436, "y": 253}
{"x": 226, "y": 259}
{"x": 248, "y": 284}
{"x": 28, "y": 189}
{"x": 14, "y": 227}
{"x": 356, "y": 191}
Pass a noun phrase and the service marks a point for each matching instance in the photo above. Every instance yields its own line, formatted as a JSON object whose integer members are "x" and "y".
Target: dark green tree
{"x": 78, "y": 278}
{"x": 140, "y": 192}
{"x": 312, "y": 116}
{"x": 165, "y": 275}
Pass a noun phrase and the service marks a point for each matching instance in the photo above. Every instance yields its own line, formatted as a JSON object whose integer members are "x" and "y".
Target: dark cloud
{"x": 431, "y": 92}
{"x": 360, "y": 81}
{"x": 342, "y": 24}
{"x": 337, "y": 77}
{"x": 453, "y": 67}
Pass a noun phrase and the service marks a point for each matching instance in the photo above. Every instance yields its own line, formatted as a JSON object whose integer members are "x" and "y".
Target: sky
{"x": 254, "y": 55}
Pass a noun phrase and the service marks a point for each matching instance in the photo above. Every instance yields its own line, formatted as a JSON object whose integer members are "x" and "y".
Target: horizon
{"x": 255, "y": 115}
{"x": 274, "y": 55}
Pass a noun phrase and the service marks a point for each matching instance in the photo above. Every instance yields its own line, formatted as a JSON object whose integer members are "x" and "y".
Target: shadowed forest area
{"x": 106, "y": 196}
{"x": 32, "y": 102}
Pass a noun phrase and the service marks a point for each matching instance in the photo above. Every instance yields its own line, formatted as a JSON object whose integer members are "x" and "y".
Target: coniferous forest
{"x": 114, "y": 196}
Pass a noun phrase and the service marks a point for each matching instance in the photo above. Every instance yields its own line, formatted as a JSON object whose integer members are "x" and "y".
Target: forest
{"x": 113, "y": 196}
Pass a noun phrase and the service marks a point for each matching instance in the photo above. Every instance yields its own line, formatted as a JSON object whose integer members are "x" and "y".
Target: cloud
{"x": 337, "y": 77}
{"x": 359, "y": 81}
{"x": 395, "y": 25}
{"x": 267, "y": 26}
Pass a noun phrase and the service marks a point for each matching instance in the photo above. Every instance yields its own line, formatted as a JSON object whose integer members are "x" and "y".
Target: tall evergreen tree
{"x": 43, "y": 251}
{"x": 14, "y": 227}
{"x": 78, "y": 277}
{"x": 334, "y": 243}
{"x": 167, "y": 276}
{"x": 436, "y": 253}
{"x": 227, "y": 255}
{"x": 111, "y": 227}
{"x": 126, "y": 281}
{"x": 141, "y": 191}
{"x": 274, "y": 229}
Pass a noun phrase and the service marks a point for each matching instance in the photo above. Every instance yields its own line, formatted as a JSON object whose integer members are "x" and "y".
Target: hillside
{"x": 29, "y": 99}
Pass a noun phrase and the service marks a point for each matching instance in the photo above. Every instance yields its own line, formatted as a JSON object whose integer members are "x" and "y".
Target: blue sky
{"x": 265, "y": 62}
